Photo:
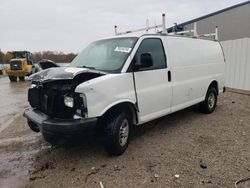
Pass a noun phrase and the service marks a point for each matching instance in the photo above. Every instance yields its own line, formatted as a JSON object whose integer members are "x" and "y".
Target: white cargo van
{"x": 119, "y": 82}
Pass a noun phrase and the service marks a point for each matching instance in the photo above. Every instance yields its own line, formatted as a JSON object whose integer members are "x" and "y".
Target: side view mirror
{"x": 146, "y": 61}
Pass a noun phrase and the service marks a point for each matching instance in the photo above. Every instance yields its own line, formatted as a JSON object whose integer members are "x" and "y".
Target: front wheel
{"x": 21, "y": 78}
{"x": 208, "y": 106}
{"x": 13, "y": 78}
{"x": 118, "y": 132}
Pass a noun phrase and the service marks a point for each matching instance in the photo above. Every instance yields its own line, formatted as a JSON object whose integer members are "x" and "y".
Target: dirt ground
{"x": 185, "y": 149}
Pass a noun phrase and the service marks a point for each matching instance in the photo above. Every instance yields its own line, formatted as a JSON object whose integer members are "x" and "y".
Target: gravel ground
{"x": 185, "y": 149}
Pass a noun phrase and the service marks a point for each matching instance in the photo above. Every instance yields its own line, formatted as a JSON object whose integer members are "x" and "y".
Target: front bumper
{"x": 59, "y": 126}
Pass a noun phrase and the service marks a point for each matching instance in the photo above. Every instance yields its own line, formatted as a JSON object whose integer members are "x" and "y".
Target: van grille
{"x": 49, "y": 99}
{"x": 16, "y": 65}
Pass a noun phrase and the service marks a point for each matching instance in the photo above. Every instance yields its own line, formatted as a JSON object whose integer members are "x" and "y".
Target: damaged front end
{"x": 55, "y": 104}
{"x": 49, "y": 98}
{"x": 53, "y": 89}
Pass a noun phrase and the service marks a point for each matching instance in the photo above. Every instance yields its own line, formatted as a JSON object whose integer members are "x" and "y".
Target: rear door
{"x": 153, "y": 86}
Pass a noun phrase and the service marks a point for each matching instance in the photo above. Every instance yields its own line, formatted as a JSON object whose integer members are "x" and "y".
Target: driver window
{"x": 155, "y": 48}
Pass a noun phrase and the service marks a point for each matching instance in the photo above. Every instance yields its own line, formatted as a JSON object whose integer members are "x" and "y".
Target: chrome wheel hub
{"x": 124, "y": 132}
{"x": 211, "y": 100}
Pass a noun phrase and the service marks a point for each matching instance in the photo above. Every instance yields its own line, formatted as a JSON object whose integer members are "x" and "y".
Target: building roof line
{"x": 214, "y": 13}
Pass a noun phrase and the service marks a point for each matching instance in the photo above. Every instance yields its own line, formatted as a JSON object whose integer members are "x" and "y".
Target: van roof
{"x": 156, "y": 34}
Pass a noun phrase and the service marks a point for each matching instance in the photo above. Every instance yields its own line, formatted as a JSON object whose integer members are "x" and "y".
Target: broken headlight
{"x": 77, "y": 102}
{"x": 33, "y": 86}
{"x": 81, "y": 109}
{"x": 69, "y": 101}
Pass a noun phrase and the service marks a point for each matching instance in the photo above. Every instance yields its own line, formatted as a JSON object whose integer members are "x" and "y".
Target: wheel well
{"x": 129, "y": 107}
{"x": 214, "y": 84}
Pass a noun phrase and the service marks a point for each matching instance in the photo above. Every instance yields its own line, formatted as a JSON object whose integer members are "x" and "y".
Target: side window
{"x": 155, "y": 48}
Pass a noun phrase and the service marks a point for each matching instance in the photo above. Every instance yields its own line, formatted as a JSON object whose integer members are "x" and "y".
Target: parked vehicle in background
{"x": 21, "y": 65}
{"x": 119, "y": 82}
{"x": 45, "y": 64}
{"x": 1, "y": 69}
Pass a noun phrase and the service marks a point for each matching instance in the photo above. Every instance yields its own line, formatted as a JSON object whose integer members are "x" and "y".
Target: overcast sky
{"x": 69, "y": 25}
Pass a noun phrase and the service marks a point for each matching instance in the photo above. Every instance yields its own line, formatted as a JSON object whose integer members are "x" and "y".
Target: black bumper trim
{"x": 52, "y": 125}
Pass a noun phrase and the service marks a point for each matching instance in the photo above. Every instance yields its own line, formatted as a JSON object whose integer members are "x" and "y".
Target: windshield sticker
{"x": 122, "y": 49}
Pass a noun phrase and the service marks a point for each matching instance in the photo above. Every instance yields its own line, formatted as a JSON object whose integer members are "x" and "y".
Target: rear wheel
{"x": 21, "y": 78}
{"x": 208, "y": 106}
{"x": 13, "y": 78}
{"x": 118, "y": 132}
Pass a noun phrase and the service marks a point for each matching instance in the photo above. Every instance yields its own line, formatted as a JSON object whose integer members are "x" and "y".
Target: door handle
{"x": 169, "y": 76}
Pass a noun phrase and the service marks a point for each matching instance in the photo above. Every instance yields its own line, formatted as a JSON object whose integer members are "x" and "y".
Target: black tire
{"x": 209, "y": 105}
{"x": 13, "y": 78}
{"x": 33, "y": 126}
{"x": 21, "y": 78}
{"x": 120, "y": 123}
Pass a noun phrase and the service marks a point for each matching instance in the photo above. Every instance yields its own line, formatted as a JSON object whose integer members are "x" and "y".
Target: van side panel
{"x": 195, "y": 63}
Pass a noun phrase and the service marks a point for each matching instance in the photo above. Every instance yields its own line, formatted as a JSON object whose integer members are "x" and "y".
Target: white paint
{"x": 237, "y": 53}
{"x": 104, "y": 92}
{"x": 194, "y": 64}
{"x": 154, "y": 94}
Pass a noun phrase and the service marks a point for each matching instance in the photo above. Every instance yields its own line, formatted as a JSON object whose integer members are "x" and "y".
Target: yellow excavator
{"x": 20, "y": 65}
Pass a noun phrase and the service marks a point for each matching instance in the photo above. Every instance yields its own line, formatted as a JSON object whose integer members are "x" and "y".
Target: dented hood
{"x": 61, "y": 73}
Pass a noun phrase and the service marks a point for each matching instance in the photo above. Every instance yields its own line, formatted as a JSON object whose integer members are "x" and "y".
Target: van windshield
{"x": 106, "y": 55}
